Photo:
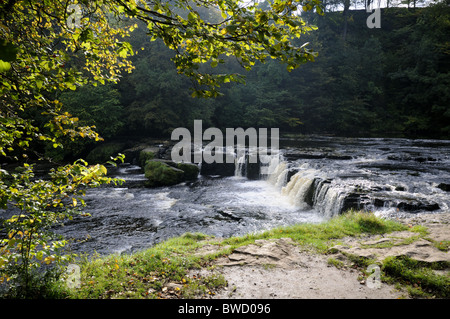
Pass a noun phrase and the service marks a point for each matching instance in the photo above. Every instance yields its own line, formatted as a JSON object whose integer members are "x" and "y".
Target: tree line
{"x": 392, "y": 81}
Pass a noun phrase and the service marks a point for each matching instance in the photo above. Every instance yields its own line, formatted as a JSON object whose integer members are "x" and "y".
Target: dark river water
{"x": 311, "y": 180}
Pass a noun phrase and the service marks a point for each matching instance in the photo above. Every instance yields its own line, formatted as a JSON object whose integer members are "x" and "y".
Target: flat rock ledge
{"x": 404, "y": 243}
{"x": 278, "y": 268}
{"x": 270, "y": 253}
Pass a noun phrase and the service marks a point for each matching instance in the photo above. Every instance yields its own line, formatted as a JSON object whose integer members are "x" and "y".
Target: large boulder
{"x": 160, "y": 173}
{"x": 165, "y": 173}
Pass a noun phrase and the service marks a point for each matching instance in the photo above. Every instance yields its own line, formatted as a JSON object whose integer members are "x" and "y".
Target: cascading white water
{"x": 306, "y": 189}
{"x": 278, "y": 177}
{"x": 297, "y": 189}
{"x": 328, "y": 200}
{"x": 240, "y": 165}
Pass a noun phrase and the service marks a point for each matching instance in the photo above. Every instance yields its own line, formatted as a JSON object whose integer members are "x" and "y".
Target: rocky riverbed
{"x": 312, "y": 179}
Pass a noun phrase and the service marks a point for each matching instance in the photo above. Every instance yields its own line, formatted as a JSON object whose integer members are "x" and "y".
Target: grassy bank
{"x": 169, "y": 269}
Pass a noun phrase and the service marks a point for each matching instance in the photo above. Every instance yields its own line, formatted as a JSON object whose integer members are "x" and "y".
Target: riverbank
{"x": 301, "y": 261}
{"x": 411, "y": 263}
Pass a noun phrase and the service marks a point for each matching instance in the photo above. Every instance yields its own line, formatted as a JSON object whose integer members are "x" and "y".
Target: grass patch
{"x": 442, "y": 245}
{"x": 320, "y": 236}
{"x": 336, "y": 263}
{"x": 158, "y": 272}
{"x": 420, "y": 278}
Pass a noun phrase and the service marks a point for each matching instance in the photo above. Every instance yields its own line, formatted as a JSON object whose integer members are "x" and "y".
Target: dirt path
{"x": 313, "y": 279}
{"x": 279, "y": 269}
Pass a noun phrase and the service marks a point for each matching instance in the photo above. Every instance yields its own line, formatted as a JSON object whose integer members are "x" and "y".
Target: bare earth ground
{"x": 272, "y": 269}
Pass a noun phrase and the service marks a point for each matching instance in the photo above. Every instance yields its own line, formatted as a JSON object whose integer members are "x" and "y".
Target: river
{"x": 313, "y": 179}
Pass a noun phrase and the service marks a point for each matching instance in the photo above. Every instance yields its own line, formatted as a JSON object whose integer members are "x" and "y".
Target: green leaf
{"x": 39, "y": 83}
{"x": 87, "y": 35}
{"x": 192, "y": 17}
{"x": 39, "y": 255}
{"x": 4, "y": 66}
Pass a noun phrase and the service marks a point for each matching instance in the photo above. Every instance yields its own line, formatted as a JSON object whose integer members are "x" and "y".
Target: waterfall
{"x": 309, "y": 188}
{"x": 303, "y": 186}
{"x": 278, "y": 177}
{"x": 240, "y": 166}
{"x": 274, "y": 170}
{"x": 328, "y": 200}
{"x": 297, "y": 189}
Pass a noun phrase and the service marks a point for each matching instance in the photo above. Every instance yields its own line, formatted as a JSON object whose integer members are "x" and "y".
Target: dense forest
{"x": 390, "y": 81}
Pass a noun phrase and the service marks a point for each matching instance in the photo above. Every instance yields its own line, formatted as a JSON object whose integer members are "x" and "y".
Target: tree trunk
{"x": 345, "y": 14}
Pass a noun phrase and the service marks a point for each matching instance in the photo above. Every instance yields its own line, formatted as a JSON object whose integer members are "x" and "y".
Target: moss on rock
{"x": 160, "y": 173}
{"x": 190, "y": 170}
{"x": 146, "y": 155}
{"x": 165, "y": 173}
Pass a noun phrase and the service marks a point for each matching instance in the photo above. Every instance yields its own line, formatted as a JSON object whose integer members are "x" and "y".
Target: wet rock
{"x": 160, "y": 173}
{"x": 415, "y": 206}
{"x": 378, "y": 202}
{"x": 401, "y": 157}
{"x": 146, "y": 154}
{"x": 291, "y": 172}
{"x": 425, "y": 159}
{"x": 338, "y": 157}
{"x": 405, "y": 157}
{"x": 293, "y": 156}
{"x": 190, "y": 170}
{"x": 313, "y": 189}
{"x": 444, "y": 187}
{"x": 253, "y": 170}
{"x": 222, "y": 169}
{"x": 355, "y": 201}
{"x": 411, "y": 206}
{"x": 138, "y": 154}
{"x": 229, "y": 215}
{"x": 380, "y": 189}
{"x": 316, "y": 153}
